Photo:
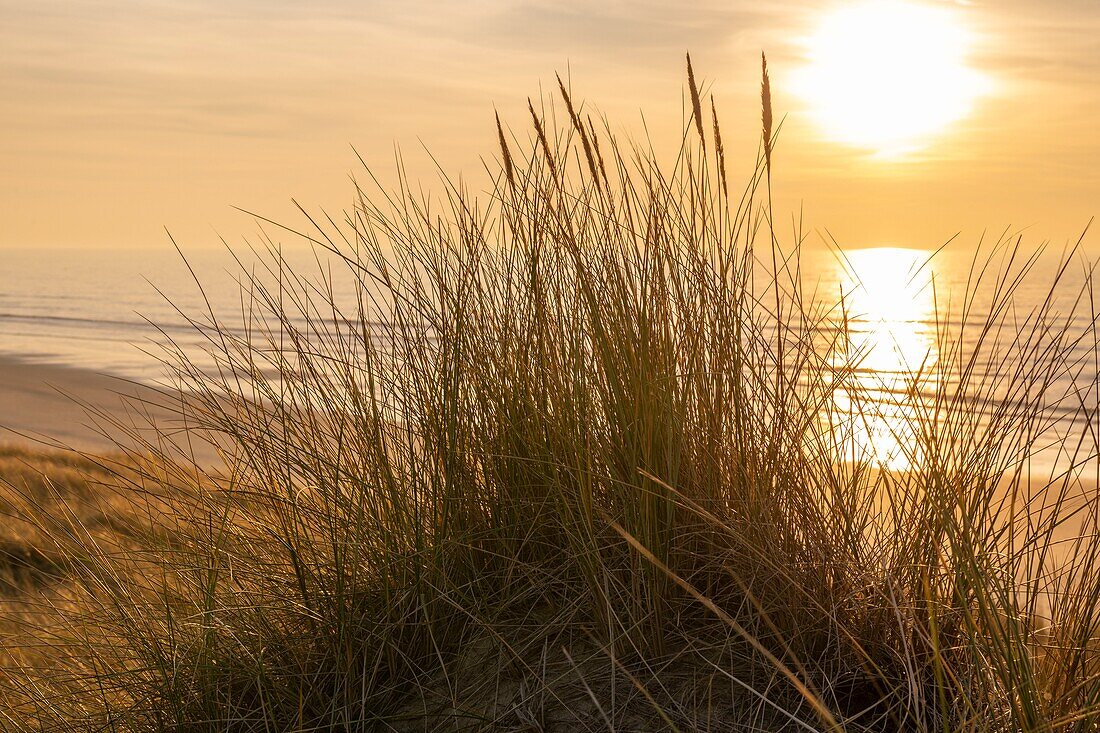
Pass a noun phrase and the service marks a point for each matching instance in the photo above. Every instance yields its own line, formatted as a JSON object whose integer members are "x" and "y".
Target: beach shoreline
{"x": 49, "y": 405}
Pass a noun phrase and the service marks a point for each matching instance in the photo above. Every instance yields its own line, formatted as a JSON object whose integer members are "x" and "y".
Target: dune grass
{"x": 568, "y": 457}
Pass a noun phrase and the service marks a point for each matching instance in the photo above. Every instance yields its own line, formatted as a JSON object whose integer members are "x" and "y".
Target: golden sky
{"x": 122, "y": 118}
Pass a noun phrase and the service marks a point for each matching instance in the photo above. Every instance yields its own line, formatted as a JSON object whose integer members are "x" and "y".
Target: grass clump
{"x": 568, "y": 456}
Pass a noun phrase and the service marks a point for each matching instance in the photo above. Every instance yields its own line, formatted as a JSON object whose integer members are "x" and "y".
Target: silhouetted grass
{"x": 569, "y": 458}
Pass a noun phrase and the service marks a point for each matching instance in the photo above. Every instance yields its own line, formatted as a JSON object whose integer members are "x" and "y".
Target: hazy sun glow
{"x": 889, "y": 308}
{"x": 886, "y": 75}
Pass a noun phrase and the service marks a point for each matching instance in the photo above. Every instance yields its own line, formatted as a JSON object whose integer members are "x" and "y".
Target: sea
{"x": 113, "y": 310}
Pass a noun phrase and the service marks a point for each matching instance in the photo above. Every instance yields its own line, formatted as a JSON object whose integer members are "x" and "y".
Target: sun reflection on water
{"x": 888, "y": 315}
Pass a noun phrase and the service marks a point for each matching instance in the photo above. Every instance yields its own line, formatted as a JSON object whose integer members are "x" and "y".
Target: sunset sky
{"x": 123, "y": 118}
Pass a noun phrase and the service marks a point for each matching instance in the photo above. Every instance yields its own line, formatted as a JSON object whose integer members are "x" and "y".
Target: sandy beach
{"x": 49, "y": 405}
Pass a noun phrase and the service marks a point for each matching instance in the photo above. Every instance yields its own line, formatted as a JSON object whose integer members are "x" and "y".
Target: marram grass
{"x": 564, "y": 461}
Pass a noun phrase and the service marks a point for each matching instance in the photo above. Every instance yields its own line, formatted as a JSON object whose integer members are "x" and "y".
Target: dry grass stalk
{"x": 509, "y": 172}
{"x": 579, "y": 127}
{"x": 696, "y": 105}
{"x": 540, "y": 131}
{"x": 599, "y": 156}
{"x": 719, "y": 150}
{"x": 766, "y": 107}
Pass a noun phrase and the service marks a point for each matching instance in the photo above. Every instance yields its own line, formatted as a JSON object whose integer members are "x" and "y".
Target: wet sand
{"x": 48, "y": 405}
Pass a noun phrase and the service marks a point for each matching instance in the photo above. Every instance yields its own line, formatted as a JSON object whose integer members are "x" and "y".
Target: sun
{"x": 888, "y": 75}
